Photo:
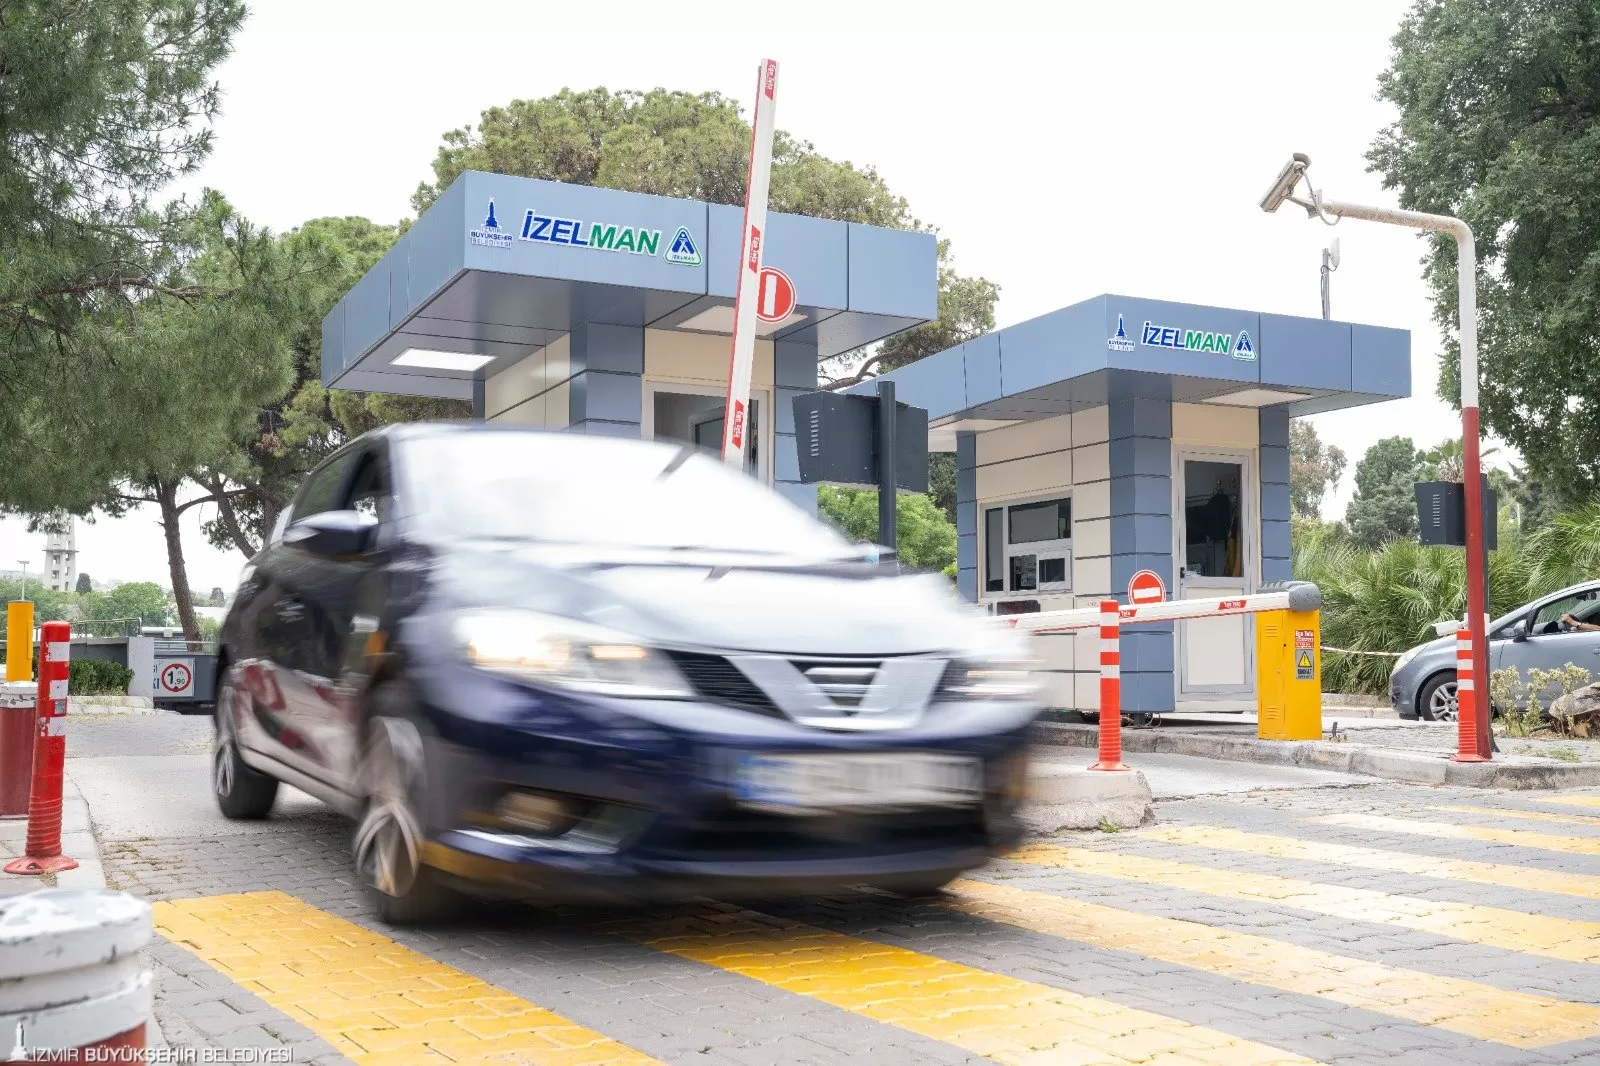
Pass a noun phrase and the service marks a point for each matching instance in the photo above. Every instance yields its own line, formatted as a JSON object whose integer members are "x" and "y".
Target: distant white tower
{"x": 61, "y": 559}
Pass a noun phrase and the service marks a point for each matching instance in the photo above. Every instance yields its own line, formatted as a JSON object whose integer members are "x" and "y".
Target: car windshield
{"x": 567, "y": 488}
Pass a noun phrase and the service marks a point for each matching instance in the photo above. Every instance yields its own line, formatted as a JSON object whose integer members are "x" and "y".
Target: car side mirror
{"x": 333, "y": 533}
{"x": 1522, "y": 630}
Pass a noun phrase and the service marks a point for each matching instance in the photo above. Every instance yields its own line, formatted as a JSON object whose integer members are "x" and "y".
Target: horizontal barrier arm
{"x": 1301, "y": 596}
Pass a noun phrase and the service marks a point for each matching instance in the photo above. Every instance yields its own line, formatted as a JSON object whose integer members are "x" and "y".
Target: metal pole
{"x": 1326, "y": 279}
{"x": 1467, "y": 298}
{"x": 888, "y": 489}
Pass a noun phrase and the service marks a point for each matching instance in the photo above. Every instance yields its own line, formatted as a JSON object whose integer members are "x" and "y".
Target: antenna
{"x": 1333, "y": 254}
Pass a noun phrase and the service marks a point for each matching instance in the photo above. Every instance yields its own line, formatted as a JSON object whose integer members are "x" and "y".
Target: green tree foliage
{"x": 1497, "y": 106}
{"x": 926, "y": 538}
{"x": 143, "y": 600}
{"x": 698, "y": 146}
{"x": 305, "y": 423}
{"x": 103, "y": 104}
{"x": 1314, "y": 468}
{"x": 84, "y": 584}
{"x": 1384, "y": 506}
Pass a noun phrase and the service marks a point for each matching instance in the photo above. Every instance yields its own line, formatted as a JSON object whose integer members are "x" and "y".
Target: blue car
{"x": 566, "y": 667}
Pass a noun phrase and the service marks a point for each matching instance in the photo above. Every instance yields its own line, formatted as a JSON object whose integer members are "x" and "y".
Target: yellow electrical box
{"x": 1289, "y": 675}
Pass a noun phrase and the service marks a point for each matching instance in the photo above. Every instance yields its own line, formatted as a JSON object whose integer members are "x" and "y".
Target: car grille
{"x": 844, "y": 681}
{"x": 717, "y": 680}
{"x": 734, "y": 834}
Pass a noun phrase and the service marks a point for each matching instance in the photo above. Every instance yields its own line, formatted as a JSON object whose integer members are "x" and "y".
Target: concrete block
{"x": 1071, "y": 796}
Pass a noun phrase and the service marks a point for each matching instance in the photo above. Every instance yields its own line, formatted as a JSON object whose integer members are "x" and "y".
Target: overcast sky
{"x": 1065, "y": 149}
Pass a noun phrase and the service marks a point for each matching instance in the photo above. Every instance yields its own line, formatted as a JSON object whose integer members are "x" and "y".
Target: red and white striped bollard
{"x": 1110, "y": 687}
{"x": 43, "y": 855}
{"x": 1467, "y": 702}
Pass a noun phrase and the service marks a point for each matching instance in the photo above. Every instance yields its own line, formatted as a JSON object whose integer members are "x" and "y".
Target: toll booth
{"x": 1121, "y": 435}
{"x": 600, "y": 311}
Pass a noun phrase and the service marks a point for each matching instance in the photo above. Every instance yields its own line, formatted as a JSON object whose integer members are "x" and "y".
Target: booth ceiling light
{"x": 720, "y": 320}
{"x": 1257, "y": 398}
{"x": 432, "y": 360}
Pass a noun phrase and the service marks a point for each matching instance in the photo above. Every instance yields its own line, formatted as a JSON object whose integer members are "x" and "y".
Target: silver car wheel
{"x": 222, "y": 766}
{"x": 386, "y": 843}
{"x": 1442, "y": 705}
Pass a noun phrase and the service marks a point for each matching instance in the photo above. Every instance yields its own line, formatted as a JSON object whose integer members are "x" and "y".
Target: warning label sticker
{"x": 1305, "y": 655}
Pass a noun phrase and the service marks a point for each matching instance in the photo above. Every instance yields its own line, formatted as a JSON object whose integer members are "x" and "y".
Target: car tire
{"x": 243, "y": 792}
{"x": 389, "y": 836}
{"x": 1437, "y": 700}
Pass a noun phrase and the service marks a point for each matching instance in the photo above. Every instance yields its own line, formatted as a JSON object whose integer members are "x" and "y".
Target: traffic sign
{"x": 776, "y": 301}
{"x": 175, "y": 677}
{"x": 1146, "y": 587}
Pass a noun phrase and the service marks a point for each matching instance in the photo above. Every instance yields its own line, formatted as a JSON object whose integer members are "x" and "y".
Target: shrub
{"x": 98, "y": 677}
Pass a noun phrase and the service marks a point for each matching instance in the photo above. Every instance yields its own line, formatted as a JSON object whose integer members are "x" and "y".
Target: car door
{"x": 1547, "y": 645}
{"x": 298, "y": 649}
{"x": 352, "y": 600}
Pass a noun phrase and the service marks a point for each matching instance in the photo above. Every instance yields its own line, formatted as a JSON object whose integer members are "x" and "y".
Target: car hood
{"x": 730, "y": 602}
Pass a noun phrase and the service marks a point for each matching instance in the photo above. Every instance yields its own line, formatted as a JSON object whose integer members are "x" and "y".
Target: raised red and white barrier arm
{"x": 1297, "y": 596}
{"x": 741, "y": 358}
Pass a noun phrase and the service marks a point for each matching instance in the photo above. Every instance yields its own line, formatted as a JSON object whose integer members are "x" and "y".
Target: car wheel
{"x": 389, "y": 836}
{"x": 1437, "y": 700}
{"x": 243, "y": 792}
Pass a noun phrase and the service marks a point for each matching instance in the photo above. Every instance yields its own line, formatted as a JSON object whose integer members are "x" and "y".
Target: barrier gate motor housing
{"x": 1289, "y": 666}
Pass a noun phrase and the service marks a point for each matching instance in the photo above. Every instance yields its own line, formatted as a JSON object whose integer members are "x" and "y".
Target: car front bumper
{"x": 656, "y": 776}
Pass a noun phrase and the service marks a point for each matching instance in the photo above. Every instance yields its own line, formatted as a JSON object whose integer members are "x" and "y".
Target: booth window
{"x": 1028, "y": 546}
{"x": 1213, "y": 508}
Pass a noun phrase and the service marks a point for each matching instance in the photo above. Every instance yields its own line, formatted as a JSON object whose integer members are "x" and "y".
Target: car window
{"x": 321, "y": 492}
{"x": 370, "y": 492}
{"x": 1578, "y": 604}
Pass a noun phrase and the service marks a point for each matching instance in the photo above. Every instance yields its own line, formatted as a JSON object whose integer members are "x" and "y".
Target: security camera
{"x": 1288, "y": 178}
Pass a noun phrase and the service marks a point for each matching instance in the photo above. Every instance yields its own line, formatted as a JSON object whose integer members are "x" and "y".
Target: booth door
{"x": 1215, "y": 535}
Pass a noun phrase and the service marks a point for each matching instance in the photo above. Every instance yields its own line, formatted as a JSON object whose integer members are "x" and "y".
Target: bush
{"x": 98, "y": 677}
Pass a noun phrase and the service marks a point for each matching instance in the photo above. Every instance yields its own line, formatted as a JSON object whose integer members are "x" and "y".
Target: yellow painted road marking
{"x": 1483, "y": 873}
{"x": 1570, "y": 801}
{"x": 374, "y": 1000}
{"x": 1530, "y": 934}
{"x": 1479, "y": 1011}
{"x": 1449, "y": 831}
{"x": 1012, "y": 1021}
{"x": 1531, "y": 816}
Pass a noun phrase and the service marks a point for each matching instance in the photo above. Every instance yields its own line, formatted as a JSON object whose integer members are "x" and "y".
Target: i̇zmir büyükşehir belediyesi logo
{"x": 1119, "y": 341}
{"x": 489, "y": 234}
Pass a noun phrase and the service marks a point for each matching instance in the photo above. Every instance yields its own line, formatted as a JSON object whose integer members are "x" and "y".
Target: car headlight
{"x": 990, "y": 679}
{"x": 566, "y": 654}
{"x": 1405, "y": 657}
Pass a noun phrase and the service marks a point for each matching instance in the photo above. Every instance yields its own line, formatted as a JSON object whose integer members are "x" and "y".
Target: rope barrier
{"x": 1354, "y": 651}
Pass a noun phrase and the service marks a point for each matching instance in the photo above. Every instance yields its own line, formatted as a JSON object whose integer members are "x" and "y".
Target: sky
{"x": 1065, "y": 149}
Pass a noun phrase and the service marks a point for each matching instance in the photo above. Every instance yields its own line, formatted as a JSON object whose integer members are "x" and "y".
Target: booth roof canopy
{"x": 1124, "y": 347}
{"x": 500, "y": 266}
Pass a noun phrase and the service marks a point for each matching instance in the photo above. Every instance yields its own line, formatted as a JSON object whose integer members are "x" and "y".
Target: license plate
{"x": 854, "y": 781}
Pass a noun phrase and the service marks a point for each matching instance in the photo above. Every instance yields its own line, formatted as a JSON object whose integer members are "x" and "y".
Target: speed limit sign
{"x": 174, "y": 677}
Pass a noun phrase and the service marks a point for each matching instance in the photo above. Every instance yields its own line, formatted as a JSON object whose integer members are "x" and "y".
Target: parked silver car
{"x": 1533, "y": 636}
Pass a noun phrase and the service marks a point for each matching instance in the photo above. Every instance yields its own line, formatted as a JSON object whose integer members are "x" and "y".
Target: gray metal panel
{"x": 1144, "y": 456}
{"x": 967, "y": 552}
{"x": 795, "y": 364}
{"x": 436, "y": 250}
{"x": 785, "y": 458}
{"x": 1380, "y": 361}
{"x": 814, "y": 252}
{"x": 1275, "y": 466}
{"x": 515, "y": 197}
{"x": 1274, "y": 426}
{"x": 1275, "y": 540}
{"x": 802, "y": 496}
{"x": 333, "y": 343}
{"x": 980, "y": 359}
{"x": 619, "y": 349}
{"x": 1141, "y": 534}
{"x": 607, "y": 397}
{"x": 437, "y": 384}
{"x": 1140, "y": 417}
{"x": 605, "y": 429}
{"x": 1141, "y": 495}
{"x": 894, "y": 272}
{"x": 935, "y": 384}
{"x": 1307, "y": 352}
{"x": 1059, "y": 346}
{"x": 1180, "y": 318}
{"x": 1274, "y": 502}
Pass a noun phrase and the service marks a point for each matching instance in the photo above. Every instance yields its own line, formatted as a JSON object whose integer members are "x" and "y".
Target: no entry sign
{"x": 776, "y": 301}
{"x": 1146, "y": 587}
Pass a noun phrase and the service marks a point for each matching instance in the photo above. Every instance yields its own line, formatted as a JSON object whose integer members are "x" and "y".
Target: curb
{"x": 1418, "y": 768}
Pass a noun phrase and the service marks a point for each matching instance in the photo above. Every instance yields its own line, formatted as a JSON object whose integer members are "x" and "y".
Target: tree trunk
{"x": 167, "y": 499}
{"x": 230, "y": 519}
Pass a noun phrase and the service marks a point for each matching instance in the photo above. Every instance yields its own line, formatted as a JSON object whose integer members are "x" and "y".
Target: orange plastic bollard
{"x": 1110, "y": 687}
{"x": 1467, "y": 702}
{"x": 49, "y": 758}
